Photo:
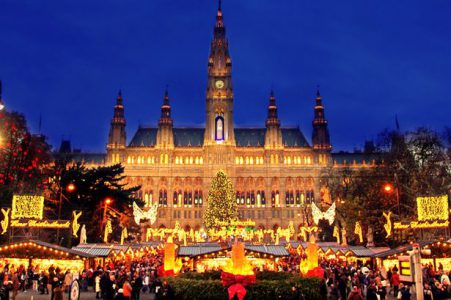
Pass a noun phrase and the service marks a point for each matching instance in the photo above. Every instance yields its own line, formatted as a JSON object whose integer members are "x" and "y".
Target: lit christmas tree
{"x": 221, "y": 205}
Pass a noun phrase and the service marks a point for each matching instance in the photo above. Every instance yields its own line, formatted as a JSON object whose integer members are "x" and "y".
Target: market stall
{"x": 42, "y": 255}
{"x": 205, "y": 257}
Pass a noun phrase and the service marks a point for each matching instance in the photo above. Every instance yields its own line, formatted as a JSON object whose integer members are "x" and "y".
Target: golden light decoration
{"x": 388, "y": 226}
{"x": 238, "y": 264}
{"x": 358, "y": 231}
{"x": 108, "y": 230}
{"x": 5, "y": 222}
{"x": 124, "y": 235}
{"x": 75, "y": 226}
{"x": 433, "y": 208}
{"x": 336, "y": 234}
{"x": 27, "y": 207}
{"x": 329, "y": 214}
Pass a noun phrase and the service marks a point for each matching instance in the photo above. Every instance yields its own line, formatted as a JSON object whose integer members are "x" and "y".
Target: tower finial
{"x": 219, "y": 5}
{"x": 317, "y": 91}
{"x": 0, "y": 89}
{"x": 119, "y": 93}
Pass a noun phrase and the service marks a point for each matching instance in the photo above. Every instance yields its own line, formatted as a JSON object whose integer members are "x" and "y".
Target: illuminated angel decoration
{"x": 139, "y": 214}
{"x": 75, "y": 225}
{"x": 358, "y": 231}
{"x": 388, "y": 225}
{"x": 329, "y": 214}
{"x": 5, "y": 222}
{"x": 337, "y": 234}
{"x": 108, "y": 230}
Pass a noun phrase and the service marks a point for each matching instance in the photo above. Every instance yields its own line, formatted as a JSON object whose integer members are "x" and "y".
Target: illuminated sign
{"x": 236, "y": 223}
{"x": 40, "y": 223}
{"x": 419, "y": 225}
{"x": 432, "y": 208}
{"x": 27, "y": 207}
{"x": 406, "y": 272}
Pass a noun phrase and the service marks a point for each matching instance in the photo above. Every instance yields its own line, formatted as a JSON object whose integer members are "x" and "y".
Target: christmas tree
{"x": 221, "y": 205}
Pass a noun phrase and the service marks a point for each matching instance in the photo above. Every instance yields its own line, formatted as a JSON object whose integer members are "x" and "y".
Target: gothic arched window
{"x": 219, "y": 128}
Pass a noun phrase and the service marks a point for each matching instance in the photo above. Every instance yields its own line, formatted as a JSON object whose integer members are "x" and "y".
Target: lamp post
{"x": 389, "y": 188}
{"x": 106, "y": 202}
{"x": 70, "y": 188}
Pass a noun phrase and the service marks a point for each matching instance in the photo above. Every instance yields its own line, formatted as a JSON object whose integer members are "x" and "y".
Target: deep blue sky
{"x": 372, "y": 59}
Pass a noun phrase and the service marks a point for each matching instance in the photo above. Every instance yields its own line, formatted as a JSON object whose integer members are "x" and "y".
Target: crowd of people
{"x": 129, "y": 279}
{"x": 364, "y": 281}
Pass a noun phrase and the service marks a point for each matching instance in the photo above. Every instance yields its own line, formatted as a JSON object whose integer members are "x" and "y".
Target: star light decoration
{"x": 329, "y": 214}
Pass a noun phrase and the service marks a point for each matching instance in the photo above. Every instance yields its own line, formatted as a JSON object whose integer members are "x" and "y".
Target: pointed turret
{"x": 117, "y": 137}
{"x": 219, "y": 114}
{"x": 320, "y": 136}
{"x": 165, "y": 118}
{"x": 165, "y": 135}
{"x": 273, "y": 136}
{"x": 273, "y": 119}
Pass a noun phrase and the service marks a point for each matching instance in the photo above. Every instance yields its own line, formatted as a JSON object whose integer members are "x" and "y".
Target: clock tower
{"x": 219, "y": 106}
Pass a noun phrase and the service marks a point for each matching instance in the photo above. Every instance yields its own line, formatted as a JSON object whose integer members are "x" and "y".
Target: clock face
{"x": 219, "y": 84}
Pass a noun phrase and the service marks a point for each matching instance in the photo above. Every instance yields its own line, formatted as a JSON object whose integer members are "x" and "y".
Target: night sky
{"x": 372, "y": 60}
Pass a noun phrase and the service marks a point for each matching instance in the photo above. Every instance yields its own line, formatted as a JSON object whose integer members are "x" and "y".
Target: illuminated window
{"x": 201, "y": 160}
{"x": 197, "y": 160}
{"x": 129, "y": 160}
{"x": 271, "y": 159}
{"x": 166, "y": 158}
{"x": 219, "y": 128}
{"x": 163, "y": 198}
{"x": 251, "y": 160}
{"x": 241, "y": 160}
{"x": 191, "y": 160}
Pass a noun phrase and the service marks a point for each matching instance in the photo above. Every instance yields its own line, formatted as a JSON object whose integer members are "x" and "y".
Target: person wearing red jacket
{"x": 395, "y": 281}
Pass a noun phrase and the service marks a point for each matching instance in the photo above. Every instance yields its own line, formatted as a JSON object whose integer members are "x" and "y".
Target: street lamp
{"x": 107, "y": 201}
{"x": 388, "y": 189}
{"x": 70, "y": 188}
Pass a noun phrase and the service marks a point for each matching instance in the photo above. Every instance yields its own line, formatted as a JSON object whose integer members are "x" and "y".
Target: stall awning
{"x": 101, "y": 250}
{"x": 39, "y": 249}
{"x": 275, "y": 250}
{"x": 401, "y": 249}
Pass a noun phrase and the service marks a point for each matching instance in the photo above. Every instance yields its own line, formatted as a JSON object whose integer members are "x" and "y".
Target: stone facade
{"x": 275, "y": 170}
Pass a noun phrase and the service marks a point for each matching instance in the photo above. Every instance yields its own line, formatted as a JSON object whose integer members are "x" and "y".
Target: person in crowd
{"x": 355, "y": 294}
{"x": 97, "y": 289}
{"x": 395, "y": 281}
{"x": 427, "y": 292}
{"x": 165, "y": 292}
{"x": 404, "y": 292}
{"x": 137, "y": 285}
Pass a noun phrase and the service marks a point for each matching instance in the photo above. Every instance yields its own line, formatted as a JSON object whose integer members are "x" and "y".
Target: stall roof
{"x": 359, "y": 251}
{"x": 401, "y": 249}
{"x": 14, "y": 250}
{"x": 100, "y": 250}
{"x": 196, "y": 250}
{"x": 276, "y": 250}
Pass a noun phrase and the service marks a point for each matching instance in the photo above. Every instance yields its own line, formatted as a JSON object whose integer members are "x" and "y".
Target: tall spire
{"x": 320, "y": 135}
{"x": 117, "y": 137}
{"x": 165, "y": 118}
{"x": 273, "y": 118}
{"x": 119, "y": 110}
